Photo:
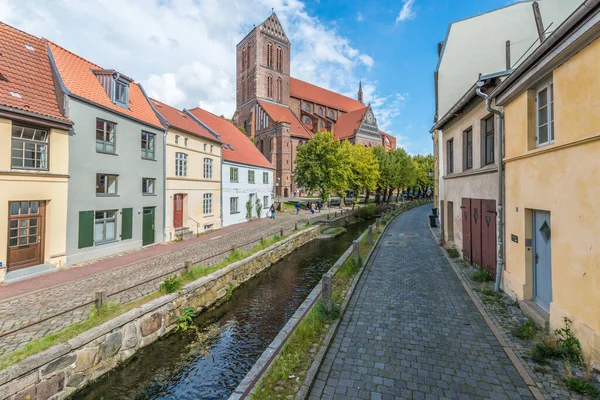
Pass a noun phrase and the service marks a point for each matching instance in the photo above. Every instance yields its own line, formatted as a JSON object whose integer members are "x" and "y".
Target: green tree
{"x": 423, "y": 164}
{"x": 404, "y": 171}
{"x": 321, "y": 166}
{"x": 363, "y": 168}
{"x": 386, "y": 171}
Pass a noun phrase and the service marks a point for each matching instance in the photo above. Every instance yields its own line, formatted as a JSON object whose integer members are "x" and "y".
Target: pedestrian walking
{"x": 298, "y": 207}
{"x": 319, "y": 205}
{"x": 312, "y": 208}
{"x": 294, "y": 194}
{"x": 272, "y": 210}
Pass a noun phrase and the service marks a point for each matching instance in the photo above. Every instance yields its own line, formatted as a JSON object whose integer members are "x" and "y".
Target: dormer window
{"x": 121, "y": 94}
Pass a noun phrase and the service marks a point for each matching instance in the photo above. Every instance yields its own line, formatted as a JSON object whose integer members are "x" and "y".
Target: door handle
{"x": 536, "y": 258}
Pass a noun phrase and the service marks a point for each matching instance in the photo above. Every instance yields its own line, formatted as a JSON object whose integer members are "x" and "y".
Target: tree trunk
{"x": 367, "y": 196}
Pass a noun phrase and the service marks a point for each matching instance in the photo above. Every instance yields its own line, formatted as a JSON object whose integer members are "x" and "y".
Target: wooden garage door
{"x": 488, "y": 236}
{"x": 466, "y": 228}
{"x": 476, "y": 217}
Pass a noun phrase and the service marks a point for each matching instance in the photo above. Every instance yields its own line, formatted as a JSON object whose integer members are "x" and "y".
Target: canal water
{"x": 243, "y": 327}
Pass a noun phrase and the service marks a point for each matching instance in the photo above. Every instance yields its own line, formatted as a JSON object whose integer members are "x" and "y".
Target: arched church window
{"x": 270, "y": 55}
{"x": 320, "y": 110}
{"x": 306, "y": 119}
{"x": 244, "y": 59}
{"x": 279, "y": 58}
{"x": 279, "y": 89}
{"x": 307, "y": 107}
{"x": 331, "y": 114}
{"x": 243, "y": 94}
{"x": 270, "y": 86}
{"x": 248, "y": 55}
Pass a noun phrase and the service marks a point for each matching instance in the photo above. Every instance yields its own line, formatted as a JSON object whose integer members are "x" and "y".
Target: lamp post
{"x": 431, "y": 173}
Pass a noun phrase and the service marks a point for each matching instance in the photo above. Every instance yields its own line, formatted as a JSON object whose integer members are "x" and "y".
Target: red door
{"x": 476, "y": 216}
{"x": 488, "y": 236}
{"x": 178, "y": 210}
{"x": 466, "y": 228}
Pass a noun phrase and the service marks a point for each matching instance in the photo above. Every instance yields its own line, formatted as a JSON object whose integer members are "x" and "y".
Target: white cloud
{"x": 366, "y": 60}
{"x": 359, "y": 16}
{"x": 407, "y": 11}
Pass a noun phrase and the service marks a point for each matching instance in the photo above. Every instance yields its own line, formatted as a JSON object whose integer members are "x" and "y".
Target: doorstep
{"x": 30, "y": 272}
{"x": 540, "y": 316}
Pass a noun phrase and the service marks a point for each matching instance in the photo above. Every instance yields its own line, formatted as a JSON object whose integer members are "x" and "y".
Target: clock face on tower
{"x": 370, "y": 118}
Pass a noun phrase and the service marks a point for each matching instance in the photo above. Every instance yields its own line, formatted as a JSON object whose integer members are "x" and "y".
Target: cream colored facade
{"x": 194, "y": 185}
{"x": 48, "y": 186}
{"x": 562, "y": 178}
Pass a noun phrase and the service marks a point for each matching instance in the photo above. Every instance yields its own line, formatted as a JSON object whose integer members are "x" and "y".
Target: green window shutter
{"x": 127, "y": 224}
{"x": 86, "y": 229}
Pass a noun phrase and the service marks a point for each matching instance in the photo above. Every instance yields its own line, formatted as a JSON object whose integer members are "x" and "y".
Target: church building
{"x": 280, "y": 113}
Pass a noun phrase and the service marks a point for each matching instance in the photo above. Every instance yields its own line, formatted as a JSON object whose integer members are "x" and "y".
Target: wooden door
{"x": 148, "y": 226}
{"x": 466, "y": 228}
{"x": 542, "y": 259}
{"x": 178, "y": 210}
{"x": 476, "y": 217}
{"x": 25, "y": 234}
{"x": 488, "y": 236}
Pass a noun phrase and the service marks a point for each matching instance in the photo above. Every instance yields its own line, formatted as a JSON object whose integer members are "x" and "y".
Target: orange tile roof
{"x": 347, "y": 123}
{"x": 307, "y": 91}
{"x": 178, "y": 119}
{"x": 244, "y": 151}
{"x": 284, "y": 114}
{"x": 25, "y": 71}
{"x": 79, "y": 79}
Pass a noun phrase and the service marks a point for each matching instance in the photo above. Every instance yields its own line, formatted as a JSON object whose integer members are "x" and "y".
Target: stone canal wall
{"x": 61, "y": 370}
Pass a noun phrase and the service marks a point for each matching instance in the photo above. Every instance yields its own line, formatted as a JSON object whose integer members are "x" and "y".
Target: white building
{"x": 247, "y": 176}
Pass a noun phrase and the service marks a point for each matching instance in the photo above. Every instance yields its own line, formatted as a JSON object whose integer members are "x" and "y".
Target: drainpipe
{"x": 165, "y": 186}
{"x": 499, "y": 202}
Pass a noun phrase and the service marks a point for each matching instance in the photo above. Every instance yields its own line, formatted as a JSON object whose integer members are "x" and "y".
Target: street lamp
{"x": 277, "y": 185}
{"x": 431, "y": 173}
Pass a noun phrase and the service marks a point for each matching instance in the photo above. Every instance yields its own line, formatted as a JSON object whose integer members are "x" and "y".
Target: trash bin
{"x": 434, "y": 211}
{"x": 432, "y": 220}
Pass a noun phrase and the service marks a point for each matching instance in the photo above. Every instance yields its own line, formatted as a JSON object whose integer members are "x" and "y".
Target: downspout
{"x": 165, "y": 185}
{"x": 499, "y": 202}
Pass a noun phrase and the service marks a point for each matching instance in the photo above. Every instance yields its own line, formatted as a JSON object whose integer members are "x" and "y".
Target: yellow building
{"x": 193, "y": 174}
{"x": 34, "y": 160}
{"x": 552, "y": 178}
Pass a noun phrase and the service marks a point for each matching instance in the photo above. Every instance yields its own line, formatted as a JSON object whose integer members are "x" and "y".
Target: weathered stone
{"x": 49, "y": 387}
{"x": 111, "y": 345}
{"x": 18, "y": 385}
{"x": 86, "y": 359}
{"x": 58, "y": 364}
{"x": 76, "y": 380}
{"x": 151, "y": 324}
{"x": 27, "y": 394}
{"x": 130, "y": 339}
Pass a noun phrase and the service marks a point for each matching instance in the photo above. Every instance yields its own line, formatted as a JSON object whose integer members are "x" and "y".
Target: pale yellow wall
{"x": 50, "y": 186}
{"x": 194, "y": 185}
{"x": 563, "y": 178}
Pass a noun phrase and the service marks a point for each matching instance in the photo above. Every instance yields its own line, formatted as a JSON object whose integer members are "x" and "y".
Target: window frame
{"x": 468, "y": 149}
{"x": 207, "y": 203}
{"x": 208, "y": 168}
{"x": 253, "y": 180}
{"x": 265, "y": 178}
{"x": 104, "y": 220}
{"x": 107, "y": 185}
{"x": 145, "y": 150}
{"x": 125, "y": 84}
{"x": 37, "y": 144}
{"x": 104, "y": 133}
{"x": 266, "y": 202}
{"x": 181, "y": 164}
{"x": 237, "y": 174}
{"x": 270, "y": 55}
{"x": 153, "y": 185}
{"x": 234, "y": 203}
{"x": 450, "y": 156}
{"x": 484, "y": 136}
{"x": 549, "y": 87}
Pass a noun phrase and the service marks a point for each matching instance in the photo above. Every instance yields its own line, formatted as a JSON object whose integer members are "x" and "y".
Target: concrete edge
{"x": 535, "y": 391}
{"x": 39, "y": 359}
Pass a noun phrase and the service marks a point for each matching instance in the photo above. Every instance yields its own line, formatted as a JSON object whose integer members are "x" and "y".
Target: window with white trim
{"x": 148, "y": 140}
{"x": 207, "y": 168}
{"x": 207, "y": 203}
{"x": 105, "y": 136}
{"x": 265, "y": 177}
{"x": 181, "y": 164}
{"x": 265, "y": 201}
{"x": 105, "y": 226}
{"x": 121, "y": 94}
{"x": 106, "y": 184}
{"x": 148, "y": 185}
{"x": 233, "y": 205}
{"x": 545, "y": 114}
{"x": 29, "y": 148}
{"x": 233, "y": 174}
{"x": 250, "y": 176}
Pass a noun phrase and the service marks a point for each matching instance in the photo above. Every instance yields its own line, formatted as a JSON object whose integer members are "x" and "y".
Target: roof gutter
{"x": 215, "y": 134}
{"x": 31, "y": 117}
{"x": 455, "y": 108}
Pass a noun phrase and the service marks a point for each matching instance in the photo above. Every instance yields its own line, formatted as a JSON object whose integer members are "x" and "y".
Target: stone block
{"x": 76, "y": 380}
{"x": 49, "y": 387}
{"x": 151, "y": 324}
{"x": 27, "y": 394}
{"x": 111, "y": 345}
{"x": 19, "y": 385}
{"x": 86, "y": 359}
{"x": 130, "y": 339}
{"x": 58, "y": 365}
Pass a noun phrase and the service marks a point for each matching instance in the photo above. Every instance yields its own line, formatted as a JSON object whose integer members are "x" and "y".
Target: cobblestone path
{"x": 412, "y": 332}
{"x": 22, "y": 310}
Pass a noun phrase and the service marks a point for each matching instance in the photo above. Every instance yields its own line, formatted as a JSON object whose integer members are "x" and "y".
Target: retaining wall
{"x": 60, "y": 371}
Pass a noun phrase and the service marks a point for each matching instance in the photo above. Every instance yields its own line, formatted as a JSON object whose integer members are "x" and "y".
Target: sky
{"x": 183, "y": 51}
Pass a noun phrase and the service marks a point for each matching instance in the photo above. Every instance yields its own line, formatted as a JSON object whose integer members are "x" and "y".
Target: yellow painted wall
{"x": 50, "y": 186}
{"x": 194, "y": 186}
{"x": 563, "y": 178}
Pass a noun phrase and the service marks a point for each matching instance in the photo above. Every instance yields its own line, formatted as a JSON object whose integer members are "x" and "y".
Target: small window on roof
{"x": 121, "y": 93}
{"x": 230, "y": 146}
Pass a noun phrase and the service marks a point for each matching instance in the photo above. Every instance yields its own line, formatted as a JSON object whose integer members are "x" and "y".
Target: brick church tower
{"x": 262, "y": 71}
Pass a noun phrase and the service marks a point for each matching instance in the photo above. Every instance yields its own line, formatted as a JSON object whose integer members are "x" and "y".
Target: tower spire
{"x": 360, "y": 92}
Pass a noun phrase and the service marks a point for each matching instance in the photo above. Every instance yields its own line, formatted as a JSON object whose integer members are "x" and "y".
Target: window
{"x": 233, "y": 175}
{"x": 211, "y": 148}
{"x": 207, "y": 168}
{"x": 306, "y": 119}
{"x": 176, "y": 139}
{"x": 105, "y": 226}
{"x": 265, "y": 177}
{"x": 121, "y": 95}
{"x": 320, "y": 110}
{"x": 279, "y": 58}
{"x": 106, "y": 184}
{"x": 331, "y": 114}
{"x": 148, "y": 185}
{"x": 24, "y": 231}
{"x": 270, "y": 87}
{"x": 208, "y": 227}
{"x": 180, "y": 164}
{"x": 205, "y": 146}
{"x": 244, "y": 65}
{"x": 105, "y": 136}
{"x": 468, "y": 150}
{"x": 450, "y": 156}
{"x": 207, "y": 203}
{"x": 265, "y": 201}
{"x": 233, "y": 205}
{"x": 488, "y": 140}
{"x": 279, "y": 89}
{"x": 250, "y": 176}
{"x": 29, "y": 148}
{"x": 545, "y": 115}
{"x": 148, "y": 140}
{"x": 307, "y": 107}
{"x": 270, "y": 55}
{"x": 185, "y": 142}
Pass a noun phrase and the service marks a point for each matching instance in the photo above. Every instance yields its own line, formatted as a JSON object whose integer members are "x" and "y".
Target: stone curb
{"x": 38, "y": 360}
{"x": 535, "y": 391}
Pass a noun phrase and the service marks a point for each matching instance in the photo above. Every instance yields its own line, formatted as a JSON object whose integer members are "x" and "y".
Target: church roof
{"x": 178, "y": 119}
{"x": 347, "y": 124}
{"x": 307, "y": 91}
{"x": 237, "y": 146}
{"x": 280, "y": 113}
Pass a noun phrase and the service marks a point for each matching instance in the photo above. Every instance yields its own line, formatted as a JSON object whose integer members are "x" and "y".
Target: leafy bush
{"x": 184, "y": 320}
{"x": 526, "y": 330}
{"x": 544, "y": 351}
{"x": 453, "y": 253}
{"x": 481, "y": 276}
{"x": 568, "y": 343}
{"x": 171, "y": 284}
{"x": 583, "y": 387}
{"x": 248, "y": 210}
{"x": 367, "y": 211}
{"x": 258, "y": 207}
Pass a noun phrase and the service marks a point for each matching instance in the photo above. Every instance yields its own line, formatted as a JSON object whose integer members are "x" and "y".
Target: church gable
{"x": 368, "y": 132}
{"x": 273, "y": 27}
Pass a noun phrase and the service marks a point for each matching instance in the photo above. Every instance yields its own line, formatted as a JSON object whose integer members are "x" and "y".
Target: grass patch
{"x": 171, "y": 285}
{"x": 527, "y": 330}
{"x": 481, "y": 276}
{"x": 583, "y": 387}
{"x": 452, "y": 252}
